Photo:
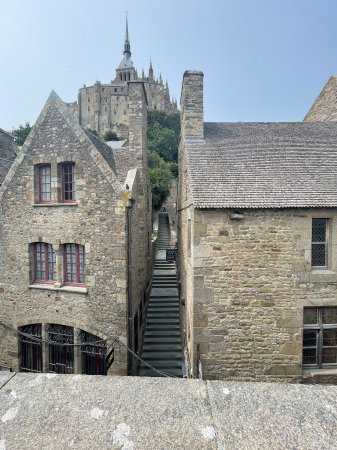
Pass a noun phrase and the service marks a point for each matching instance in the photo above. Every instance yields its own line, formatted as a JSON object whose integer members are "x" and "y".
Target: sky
{"x": 263, "y": 60}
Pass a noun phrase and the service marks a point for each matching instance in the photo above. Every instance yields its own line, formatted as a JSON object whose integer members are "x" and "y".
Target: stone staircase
{"x": 162, "y": 346}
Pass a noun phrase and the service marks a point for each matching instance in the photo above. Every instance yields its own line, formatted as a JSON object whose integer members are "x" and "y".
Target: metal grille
{"x": 93, "y": 355}
{"x": 310, "y": 347}
{"x": 320, "y": 338}
{"x": 31, "y": 348}
{"x": 68, "y": 182}
{"x": 61, "y": 357}
{"x": 319, "y": 243}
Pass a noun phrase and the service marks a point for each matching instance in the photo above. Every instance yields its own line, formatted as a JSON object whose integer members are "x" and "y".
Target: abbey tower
{"x": 104, "y": 107}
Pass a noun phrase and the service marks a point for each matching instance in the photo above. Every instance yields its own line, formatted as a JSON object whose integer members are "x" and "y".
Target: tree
{"x": 20, "y": 134}
{"x": 163, "y": 139}
{"x": 110, "y": 136}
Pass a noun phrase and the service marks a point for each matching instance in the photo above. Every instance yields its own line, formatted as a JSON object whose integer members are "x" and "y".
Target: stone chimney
{"x": 192, "y": 105}
{"x": 138, "y": 128}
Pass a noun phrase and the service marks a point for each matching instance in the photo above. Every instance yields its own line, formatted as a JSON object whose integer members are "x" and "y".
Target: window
{"x": 74, "y": 264}
{"x": 44, "y": 183}
{"x": 30, "y": 346}
{"x": 61, "y": 356}
{"x": 319, "y": 243}
{"x": 320, "y": 337}
{"x": 68, "y": 182}
{"x": 44, "y": 263}
{"x": 94, "y": 355}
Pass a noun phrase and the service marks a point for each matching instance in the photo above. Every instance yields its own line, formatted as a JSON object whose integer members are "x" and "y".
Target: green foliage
{"x": 93, "y": 131}
{"x": 110, "y": 136}
{"x": 160, "y": 179}
{"x": 20, "y": 134}
{"x": 163, "y": 140}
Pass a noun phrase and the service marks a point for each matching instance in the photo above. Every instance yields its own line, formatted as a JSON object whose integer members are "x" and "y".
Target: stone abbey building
{"x": 105, "y": 107}
{"x": 75, "y": 245}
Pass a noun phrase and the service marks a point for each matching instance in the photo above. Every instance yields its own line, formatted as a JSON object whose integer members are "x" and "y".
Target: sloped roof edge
{"x": 66, "y": 113}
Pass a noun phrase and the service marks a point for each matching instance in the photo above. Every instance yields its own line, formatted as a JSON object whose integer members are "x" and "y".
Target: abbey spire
{"x": 127, "y": 48}
{"x": 125, "y": 71}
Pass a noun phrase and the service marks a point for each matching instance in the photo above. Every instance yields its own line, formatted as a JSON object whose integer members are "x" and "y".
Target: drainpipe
{"x": 129, "y": 300}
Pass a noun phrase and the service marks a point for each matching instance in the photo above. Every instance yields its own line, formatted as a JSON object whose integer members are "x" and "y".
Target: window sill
{"x": 319, "y": 372}
{"x": 54, "y": 204}
{"x": 323, "y": 276}
{"x": 51, "y": 287}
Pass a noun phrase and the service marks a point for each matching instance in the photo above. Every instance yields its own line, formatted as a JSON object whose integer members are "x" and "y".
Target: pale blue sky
{"x": 264, "y": 60}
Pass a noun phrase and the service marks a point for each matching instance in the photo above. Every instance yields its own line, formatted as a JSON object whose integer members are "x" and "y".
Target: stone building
{"x": 104, "y": 107}
{"x": 74, "y": 245}
{"x": 324, "y": 108}
{"x": 257, "y": 245}
{"x": 8, "y": 152}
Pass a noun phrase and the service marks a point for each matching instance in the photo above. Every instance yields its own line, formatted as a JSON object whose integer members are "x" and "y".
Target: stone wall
{"x": 104, "y": 107}
{"x": 96, "y": 220}
{"x": 324, "y": 108}
{"x": 252, "y": 278}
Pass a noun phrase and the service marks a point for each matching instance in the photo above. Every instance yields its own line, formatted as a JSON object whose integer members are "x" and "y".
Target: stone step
{"x": 162, "y": 327}
{"x": 155, "y": 309}
{"x": 173, "y": 364}
{"x": 166, "y": 333}
{"x": 161, "y": 347}
{"x": 147, "y": 372}
{"x": 153, "y": 356}
{"x": 163, "y": 341}
{"x": 153, "y": 321}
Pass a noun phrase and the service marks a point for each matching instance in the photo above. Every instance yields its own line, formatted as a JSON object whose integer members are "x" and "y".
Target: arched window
{"x": 61, "y": 355}
{"x": 30, "y": 348}
{"x": 94, "y": 354}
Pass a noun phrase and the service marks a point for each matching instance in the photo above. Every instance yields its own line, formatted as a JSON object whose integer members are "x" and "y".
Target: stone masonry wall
{"x": 104, "y": 107}
{"x": 252, "y": 278}
{"x": 97, "y": 221}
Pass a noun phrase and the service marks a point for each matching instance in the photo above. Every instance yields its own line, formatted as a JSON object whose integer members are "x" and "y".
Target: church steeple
{"x": 127, "y": 48}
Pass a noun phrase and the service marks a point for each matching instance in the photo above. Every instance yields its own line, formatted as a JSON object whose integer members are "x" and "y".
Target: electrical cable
{"x": 105, "y": 341}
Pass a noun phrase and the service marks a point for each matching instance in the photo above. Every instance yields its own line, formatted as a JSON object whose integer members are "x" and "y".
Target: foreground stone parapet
{"x": 85, "y": 412}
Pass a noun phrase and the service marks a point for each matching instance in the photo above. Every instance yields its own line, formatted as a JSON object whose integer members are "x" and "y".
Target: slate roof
{"x": 121, "y": 156}
{"x": 7, "y": 153}
{"x": 104, "y": 149}
{"x": 325, "y": 107}
{"x": 264, "y": 165}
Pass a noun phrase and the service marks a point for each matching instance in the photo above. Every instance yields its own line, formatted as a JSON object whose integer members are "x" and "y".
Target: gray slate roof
{"x": 8, "y": 152}
{"x": 104, "y": 150}
{"x": 116, "y": 156}
{"x": 264, "y": 165}
{"x": 325, "y": 107}
{"x": 121, "y": 156}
